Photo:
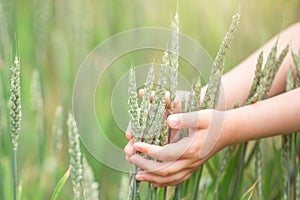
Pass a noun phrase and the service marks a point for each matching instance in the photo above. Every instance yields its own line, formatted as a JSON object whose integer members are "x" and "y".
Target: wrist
{"x": 231, "y": 126}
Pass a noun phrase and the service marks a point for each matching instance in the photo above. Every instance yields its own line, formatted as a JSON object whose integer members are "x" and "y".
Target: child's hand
{"x": 177, "y": 161}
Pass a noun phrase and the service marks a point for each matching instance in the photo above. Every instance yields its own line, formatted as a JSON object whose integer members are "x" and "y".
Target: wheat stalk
{"x": 157, "y": 110}
{"x": 145, "y": 104}
{"x": 37, "y": 101}
{"x": 174, "y": 60}
{"x": 15, "y": 114}
{"x": 258, "y": 74}
{"x": 212, "y": 93}
{"x": 37, "y": 104}
{"x": 90, "y": 186}
{"x": 133, "y": 105}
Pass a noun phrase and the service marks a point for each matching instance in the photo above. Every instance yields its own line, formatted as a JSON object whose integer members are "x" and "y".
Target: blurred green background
{"x": 53, "y": 38}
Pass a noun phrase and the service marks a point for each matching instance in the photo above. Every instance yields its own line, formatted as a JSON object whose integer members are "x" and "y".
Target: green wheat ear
{"x": 194, "y": 97}
{"x": 157, "y": 110}
{"x": 174, "y": 60}
{"x": 15, "y": 102}
{"x": 290, "y": 83}
{"x": 57, "y": 129}
{"x": 212, "y": 93}
{"x": 75, "y": 157}
{"x": 133, "y": 105}
{"x": 296, "y": 60}
{"x": 37, "y": 102}
{"x": 145, "y": 104}
{"x": 90, "y": 186}
{"x": 270, "y": 69}
{"x": 258, "y": 75}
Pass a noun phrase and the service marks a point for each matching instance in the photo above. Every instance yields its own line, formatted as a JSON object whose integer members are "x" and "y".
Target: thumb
{"x": 197, "y": 119}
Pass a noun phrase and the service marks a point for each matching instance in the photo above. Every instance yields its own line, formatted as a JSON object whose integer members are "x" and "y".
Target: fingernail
{"x": 173, "y": 121}
{"x": 138, "y": 146}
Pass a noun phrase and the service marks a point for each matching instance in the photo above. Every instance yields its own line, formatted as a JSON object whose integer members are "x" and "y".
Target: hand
{"x": 178, "y": 161}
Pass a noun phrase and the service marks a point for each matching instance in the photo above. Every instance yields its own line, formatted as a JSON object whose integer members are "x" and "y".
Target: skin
{"x": 212, "y": 130}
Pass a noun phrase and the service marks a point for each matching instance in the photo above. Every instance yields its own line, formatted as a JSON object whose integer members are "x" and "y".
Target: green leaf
{"x": 60, "y": 184}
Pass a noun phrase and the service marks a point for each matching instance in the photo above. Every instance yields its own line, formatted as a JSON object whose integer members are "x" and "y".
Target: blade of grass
{"x": 249, "y": 193}
{"x": 60, "y": 184}
{"x": 237, "y": 185}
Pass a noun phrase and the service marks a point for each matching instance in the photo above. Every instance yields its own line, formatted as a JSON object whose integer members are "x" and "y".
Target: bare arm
{"x": 271, "y": 117}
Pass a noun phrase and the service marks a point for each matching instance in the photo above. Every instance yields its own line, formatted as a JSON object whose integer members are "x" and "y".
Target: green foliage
{"x": 249, "y": 193}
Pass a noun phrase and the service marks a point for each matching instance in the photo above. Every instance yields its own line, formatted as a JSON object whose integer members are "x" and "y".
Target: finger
{"x": 142, "y": 92}
{"x": 128, "y": 133}
{"x": 128, "y": 159}
{"x": 177, "y": 104}
{"x": 169, "y": 152}
{"x": 129, "y": 148}
{"x": 159, "y": 181}
{"x": 160, "y": 168}
{"x": 198, "y": 119}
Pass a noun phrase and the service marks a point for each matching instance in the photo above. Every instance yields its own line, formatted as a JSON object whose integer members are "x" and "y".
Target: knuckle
{"x": 164, "y": 173}
{"x": 191, "y": 151}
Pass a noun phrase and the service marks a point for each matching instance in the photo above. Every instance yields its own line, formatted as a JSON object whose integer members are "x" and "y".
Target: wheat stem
{"x": 15, "y": 174}
{"x": 258, "y": 171}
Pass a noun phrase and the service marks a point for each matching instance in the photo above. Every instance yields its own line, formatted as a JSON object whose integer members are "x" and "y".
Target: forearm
{"x": 271, "y": 117}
